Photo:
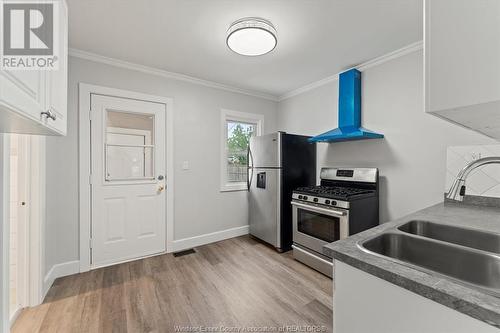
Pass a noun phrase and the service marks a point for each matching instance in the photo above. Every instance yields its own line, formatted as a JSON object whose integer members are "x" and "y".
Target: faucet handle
{"x": 462, "y": 190}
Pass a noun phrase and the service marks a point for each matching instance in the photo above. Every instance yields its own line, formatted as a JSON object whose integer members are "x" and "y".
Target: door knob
{"x": 161, "y": 188}
{"x": 160, "y": 177}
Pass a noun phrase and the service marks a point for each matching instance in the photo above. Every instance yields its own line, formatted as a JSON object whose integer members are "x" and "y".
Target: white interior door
{"x": 128, "y": 179}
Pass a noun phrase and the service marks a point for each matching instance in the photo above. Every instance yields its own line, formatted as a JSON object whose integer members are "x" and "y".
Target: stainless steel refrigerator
{"x": 277, "y": 164}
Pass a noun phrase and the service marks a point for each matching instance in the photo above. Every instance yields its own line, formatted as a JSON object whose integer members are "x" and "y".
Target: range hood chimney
{"x": 349, "y": 112}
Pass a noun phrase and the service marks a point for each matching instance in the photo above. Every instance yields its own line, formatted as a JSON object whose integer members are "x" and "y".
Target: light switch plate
{"x": 185, "y": 165}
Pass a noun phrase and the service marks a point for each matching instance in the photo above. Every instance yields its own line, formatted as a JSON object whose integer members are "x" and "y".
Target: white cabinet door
{"x": 462, "y": 62}
{"x": 357, "y": 303}
{"x": 23, "y": 92}
{"x": 26, "y": 94}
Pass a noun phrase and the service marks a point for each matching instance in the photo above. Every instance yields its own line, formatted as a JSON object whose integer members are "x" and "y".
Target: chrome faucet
{"x": 457, "y": 189}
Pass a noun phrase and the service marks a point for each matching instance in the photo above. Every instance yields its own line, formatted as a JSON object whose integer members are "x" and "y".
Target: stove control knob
{"x": 315, "y": 199}
{"x": 327, "y": 202}
{"x": 300, "y": 197}
{"x": 305, "y": 197}
{"x": 334, "y": 203}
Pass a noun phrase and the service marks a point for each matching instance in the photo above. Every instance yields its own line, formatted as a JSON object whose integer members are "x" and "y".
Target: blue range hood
{"x": 349, "y": 112}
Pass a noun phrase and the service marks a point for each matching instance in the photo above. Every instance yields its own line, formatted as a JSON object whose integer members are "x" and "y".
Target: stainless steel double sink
{"x": 468, "y": 256}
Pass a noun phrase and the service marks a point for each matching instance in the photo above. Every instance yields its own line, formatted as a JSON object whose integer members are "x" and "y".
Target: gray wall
{"x": 411, "y": 158}
{"x": 199, "y": 206}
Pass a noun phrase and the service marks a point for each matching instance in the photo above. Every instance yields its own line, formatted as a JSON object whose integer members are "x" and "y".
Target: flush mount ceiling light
{"x": 251, "y": 36}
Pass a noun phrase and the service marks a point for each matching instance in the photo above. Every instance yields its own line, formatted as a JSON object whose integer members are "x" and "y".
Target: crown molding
{"x": 417, "y": 46}
{"x": 182, "y": 77}
{"x": 166, "y": 74}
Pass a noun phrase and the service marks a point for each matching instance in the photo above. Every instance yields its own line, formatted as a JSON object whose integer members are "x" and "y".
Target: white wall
{"x": 411, "y": 158}
{"x": 200, "y": 207}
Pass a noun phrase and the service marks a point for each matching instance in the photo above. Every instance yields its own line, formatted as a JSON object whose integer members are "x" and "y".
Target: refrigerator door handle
{"x": 250, "y": 168}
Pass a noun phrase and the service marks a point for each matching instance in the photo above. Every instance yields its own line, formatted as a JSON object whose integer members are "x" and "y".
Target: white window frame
{"x": 236, "y": 116}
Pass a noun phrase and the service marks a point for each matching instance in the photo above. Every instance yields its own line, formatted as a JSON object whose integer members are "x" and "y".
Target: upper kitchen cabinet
{"x": 34, "y": 71}
{"x": 462, "y": 62}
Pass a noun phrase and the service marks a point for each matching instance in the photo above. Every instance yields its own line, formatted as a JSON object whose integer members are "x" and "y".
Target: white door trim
{"x": 23, "y": 181}
{"x": 4, "y": 234}
{"x": 36, "y": 179}
{"x": 85, "y": 92}
{"x": 36, "y": 219}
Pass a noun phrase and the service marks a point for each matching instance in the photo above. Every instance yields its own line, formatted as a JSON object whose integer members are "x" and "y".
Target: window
{"x": 237, "y": 129}
{"x": 129, "y": 146}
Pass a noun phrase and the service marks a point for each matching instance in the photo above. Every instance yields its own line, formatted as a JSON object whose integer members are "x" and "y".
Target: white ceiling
{"x": 316, "y": 38}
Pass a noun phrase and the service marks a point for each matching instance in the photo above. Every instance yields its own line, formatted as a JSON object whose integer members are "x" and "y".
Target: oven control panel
{"x": 320, "y": 201}
{"x": 363, "y": 175}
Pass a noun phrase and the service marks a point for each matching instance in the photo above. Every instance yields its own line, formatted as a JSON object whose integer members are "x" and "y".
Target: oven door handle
{"x": 318, "y": 209}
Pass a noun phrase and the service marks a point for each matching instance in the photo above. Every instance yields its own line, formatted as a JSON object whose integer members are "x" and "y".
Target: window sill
{"x": 234, "y": 187}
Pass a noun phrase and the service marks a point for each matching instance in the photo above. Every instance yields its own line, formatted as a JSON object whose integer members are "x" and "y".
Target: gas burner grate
{"x": 333, "y": 191}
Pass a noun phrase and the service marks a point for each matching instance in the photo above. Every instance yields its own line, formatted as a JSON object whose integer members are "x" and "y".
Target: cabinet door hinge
{"x": 90, "y": 243}
{"x": 90, "y": 179}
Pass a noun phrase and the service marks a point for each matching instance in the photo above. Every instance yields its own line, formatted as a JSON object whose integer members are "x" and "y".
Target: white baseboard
{"x": 57, "y": 271}
{"x": 73, "y": 267}
{"x": 187, "y": 243}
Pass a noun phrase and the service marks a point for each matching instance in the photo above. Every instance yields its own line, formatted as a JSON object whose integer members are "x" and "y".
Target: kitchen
{"x": 407, "y": 77}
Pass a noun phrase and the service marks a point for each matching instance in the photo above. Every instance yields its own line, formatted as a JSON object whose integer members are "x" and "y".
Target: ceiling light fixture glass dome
{"x": 251, "y": 36}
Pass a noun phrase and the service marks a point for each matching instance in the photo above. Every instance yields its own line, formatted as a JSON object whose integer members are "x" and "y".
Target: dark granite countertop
{"x": 436, "y": 287}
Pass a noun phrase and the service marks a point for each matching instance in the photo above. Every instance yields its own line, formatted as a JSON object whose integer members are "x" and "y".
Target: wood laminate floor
{"x": 233, "y": 283}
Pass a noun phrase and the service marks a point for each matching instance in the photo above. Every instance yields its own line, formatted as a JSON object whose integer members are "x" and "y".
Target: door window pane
{"x": 238, "y": 139}
{"x": 129, "y": 163}
{"x": 129, "y": 146}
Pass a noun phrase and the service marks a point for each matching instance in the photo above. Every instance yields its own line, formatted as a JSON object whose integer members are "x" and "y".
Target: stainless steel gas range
{"x": 345, "y": 203}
